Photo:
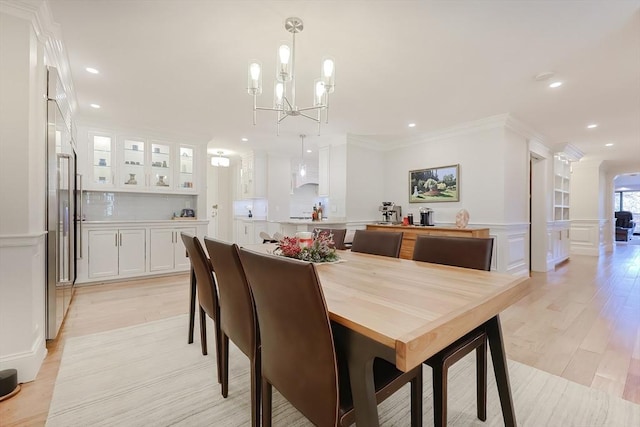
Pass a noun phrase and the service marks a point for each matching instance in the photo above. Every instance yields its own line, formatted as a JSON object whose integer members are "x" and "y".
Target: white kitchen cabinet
{"x": 167, "y": 252}
{"x": 114, "y": 252}
{"x": 141, "y": 165}
{"x": 324, "y": 171}
{"x": 253, "y": 176}
{"x": 561, "y": 243}
{"x": 247, "y": 232}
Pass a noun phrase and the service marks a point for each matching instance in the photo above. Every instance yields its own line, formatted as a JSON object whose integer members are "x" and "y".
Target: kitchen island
{"x": 411, "y": 232}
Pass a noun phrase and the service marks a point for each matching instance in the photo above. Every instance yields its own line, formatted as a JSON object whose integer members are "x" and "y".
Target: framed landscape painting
{"x": 441, "y": 184}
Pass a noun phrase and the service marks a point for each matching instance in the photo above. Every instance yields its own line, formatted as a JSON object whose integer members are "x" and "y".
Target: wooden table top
{"x": 417, "y": 308}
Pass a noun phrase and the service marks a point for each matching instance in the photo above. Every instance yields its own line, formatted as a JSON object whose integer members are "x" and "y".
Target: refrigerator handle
{"x": 79, "y": 220}
{"x": 70, "y": 242}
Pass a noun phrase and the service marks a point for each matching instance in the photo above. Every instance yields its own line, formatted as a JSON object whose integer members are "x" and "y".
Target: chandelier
{"x": 284, "y": 91}
{"x": 220, "y": 161}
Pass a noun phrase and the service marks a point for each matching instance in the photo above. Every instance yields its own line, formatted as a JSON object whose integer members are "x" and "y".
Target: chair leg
{"x": 224, "y": 363}
{"x": 481, "y": 380}
{"x": 218, "y": 338}
{"x": 255, "y": 389}
{"x": 203, "y": 331}
{"x": 266, "y": 403}
{"x": 439, "y": 395}
{"x": 416, "y": 399}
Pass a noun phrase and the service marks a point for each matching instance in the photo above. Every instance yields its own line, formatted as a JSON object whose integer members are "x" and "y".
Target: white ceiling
{"x": 178, "y": 68}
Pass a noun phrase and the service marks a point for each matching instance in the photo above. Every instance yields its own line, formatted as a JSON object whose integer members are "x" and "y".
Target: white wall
{"x": 493, "y": 183}
{"x": 365, "y": 182}
{"x": 589, "y": 222}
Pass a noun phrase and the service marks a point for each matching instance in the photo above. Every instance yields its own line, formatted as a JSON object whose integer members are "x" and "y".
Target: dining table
{"x": 405, "y": 311}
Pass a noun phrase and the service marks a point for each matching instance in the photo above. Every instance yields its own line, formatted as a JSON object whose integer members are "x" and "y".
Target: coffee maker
{"x": 426, "y": 217}
{"x": 391, "y": 213}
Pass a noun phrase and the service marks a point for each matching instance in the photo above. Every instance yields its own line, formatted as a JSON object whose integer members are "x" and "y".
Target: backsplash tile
{"x": 114, "y": 206}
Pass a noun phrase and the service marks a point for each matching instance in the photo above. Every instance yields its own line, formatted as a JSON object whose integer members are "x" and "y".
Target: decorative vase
{"x": 132, "y": 179}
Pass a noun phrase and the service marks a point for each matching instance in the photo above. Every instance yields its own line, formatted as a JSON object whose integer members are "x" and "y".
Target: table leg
{"x": 192, "y": 304}
{"x": 496, "y": 344}
{"x": 360, "y": 353}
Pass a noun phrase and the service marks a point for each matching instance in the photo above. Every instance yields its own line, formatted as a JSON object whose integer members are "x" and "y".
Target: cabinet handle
{"x": 120, "y": 239}
{"x": 116, "y": 239}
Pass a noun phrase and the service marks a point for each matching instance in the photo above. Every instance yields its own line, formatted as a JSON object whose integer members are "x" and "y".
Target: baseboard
{"x": 27, "y": 363}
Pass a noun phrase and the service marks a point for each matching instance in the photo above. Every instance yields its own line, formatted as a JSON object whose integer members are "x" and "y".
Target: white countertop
{"x": 147, "y": 221}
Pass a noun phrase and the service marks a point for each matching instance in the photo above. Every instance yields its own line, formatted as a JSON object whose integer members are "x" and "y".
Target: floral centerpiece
{"x": 320, "y": 250}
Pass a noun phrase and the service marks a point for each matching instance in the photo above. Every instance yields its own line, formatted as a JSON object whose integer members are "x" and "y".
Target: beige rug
{"x": 147, "y": 375}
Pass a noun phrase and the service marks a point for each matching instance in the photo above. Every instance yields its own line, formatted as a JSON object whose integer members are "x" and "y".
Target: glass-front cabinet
{"x": 101, "y": 160}
{"x": 186, "y": 168}
{"x": 132, "y": 169}
{"x": 138, "y": 164}
{"x": 161, "y": 166}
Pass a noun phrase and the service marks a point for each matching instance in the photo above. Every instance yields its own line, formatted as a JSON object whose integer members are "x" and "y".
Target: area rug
{"x": 147, "y": 375}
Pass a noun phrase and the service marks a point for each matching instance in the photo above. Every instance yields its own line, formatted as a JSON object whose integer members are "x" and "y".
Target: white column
{"x": 22, "y": 190}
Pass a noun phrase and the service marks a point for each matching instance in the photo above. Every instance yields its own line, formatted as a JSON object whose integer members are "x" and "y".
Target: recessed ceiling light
{"x": 92, "y": 70}
{"x": 555, "y": 84}
{"x": 244, "y": 139}
{"x": 96, "y": 106}
{"x": 592, "y": 126}
{"x": 412, "y": 125}
{"x": 610, "y": 144}
{"x": 309, "y": 151}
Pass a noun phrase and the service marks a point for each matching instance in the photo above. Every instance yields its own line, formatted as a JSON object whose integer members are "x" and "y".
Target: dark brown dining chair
{"x": 466, "y": 252}
{"x": 377, "y": 242}
{"x": 207, "y": 293}
{"x": 336, "y": 234}
{"x": 237, "y": 317}
{"x": 299, "y": 357}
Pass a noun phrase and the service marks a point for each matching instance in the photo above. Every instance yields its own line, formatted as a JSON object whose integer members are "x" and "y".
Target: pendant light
{"x": 302, "y": 168}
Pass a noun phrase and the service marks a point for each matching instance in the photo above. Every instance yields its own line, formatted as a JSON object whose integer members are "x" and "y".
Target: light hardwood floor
{"x": 581, "y": 322}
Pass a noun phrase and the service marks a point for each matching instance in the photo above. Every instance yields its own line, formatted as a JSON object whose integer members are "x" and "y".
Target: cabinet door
{"x": 132, "y": 164}
{"x": 101, "y": 161}
{"x": 161, "y": 167}
{"x": 102, "y": 253}
{"x": 181, "y": 261}
{"x": 186, "y": 170}
{"x": 323, "y": 171}
{"x": 132, "y": 251}
{"x": 161, "y": 255}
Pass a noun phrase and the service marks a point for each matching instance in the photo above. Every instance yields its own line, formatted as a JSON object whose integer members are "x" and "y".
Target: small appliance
{"x": 391, "y": 213}
{"x": 426, "y": 217}
{"x": 187, "y": 213}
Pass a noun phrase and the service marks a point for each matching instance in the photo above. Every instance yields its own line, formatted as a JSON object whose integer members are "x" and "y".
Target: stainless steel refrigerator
{"x": 62, "y": 200}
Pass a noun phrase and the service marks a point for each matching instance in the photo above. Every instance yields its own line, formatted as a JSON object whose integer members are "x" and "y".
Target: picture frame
{"x": 439, "y": 184}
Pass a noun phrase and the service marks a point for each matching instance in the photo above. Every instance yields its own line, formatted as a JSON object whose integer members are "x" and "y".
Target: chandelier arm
{"x": 316, "y": 107}
{"x": 284, "y": 116}
{"x": 309, "y": 117}
{"x": 293, "y": 68}
{"x": 268, "y": 109}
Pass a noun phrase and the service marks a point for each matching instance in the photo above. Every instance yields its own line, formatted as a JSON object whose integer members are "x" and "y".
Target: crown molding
{"x": 488, "y": 123}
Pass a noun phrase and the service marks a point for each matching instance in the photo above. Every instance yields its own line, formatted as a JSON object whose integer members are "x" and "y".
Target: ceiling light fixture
{"x": 92, "y": 70}
{"x": 96, "y": 106}
{"x": 244, "y": 139}
{"x": 610, "y": 144}
{"x": 302, "y": 168}
{"x": 592, "y": 126}
{"x": 219, "y": 160}
{"x": 412, "y": 125}
{"x": 284, "y": 93}
{"x": 555, "y": 84}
